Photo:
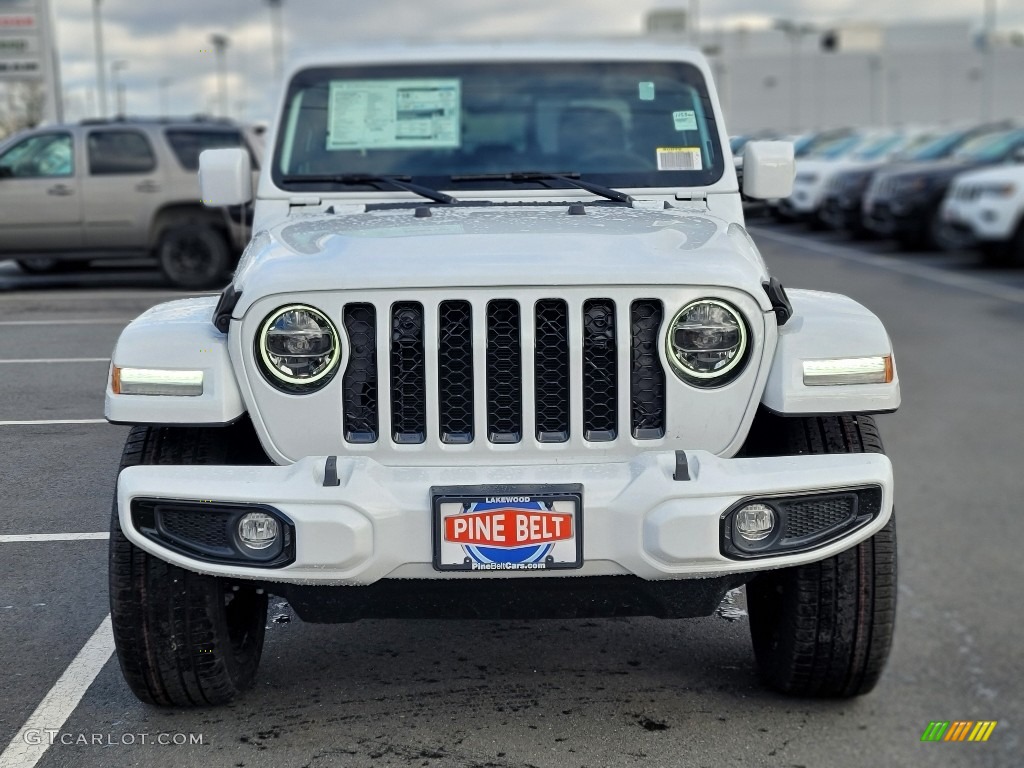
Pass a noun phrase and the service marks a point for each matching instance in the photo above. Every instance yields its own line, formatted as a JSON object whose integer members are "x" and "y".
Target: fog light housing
{"x": 258, "y": 531}
{"x": 754, "y": 522}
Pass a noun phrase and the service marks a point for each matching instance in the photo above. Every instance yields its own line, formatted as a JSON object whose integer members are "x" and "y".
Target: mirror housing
{"x": 225, "y": 177}
{"x": 768, "y": 169}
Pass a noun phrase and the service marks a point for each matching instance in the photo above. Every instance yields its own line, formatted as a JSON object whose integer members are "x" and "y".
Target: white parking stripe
{"x": 72, "y": 321}
{"x": 934, "y": 274}
{"x": 31, "y": 741}
{"x": 22, "y": 537}
{"x": 51, "y": 422}
{"x": 50, "y": 360}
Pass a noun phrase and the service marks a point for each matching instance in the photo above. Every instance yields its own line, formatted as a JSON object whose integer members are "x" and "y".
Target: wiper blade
{"x": 570, "y": 177}
{"x": 353, "y": 179}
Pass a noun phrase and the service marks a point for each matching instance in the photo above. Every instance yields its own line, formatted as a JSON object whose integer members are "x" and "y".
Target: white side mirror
{"x": 225, "y": 177}
{"x": 768, "y": 169}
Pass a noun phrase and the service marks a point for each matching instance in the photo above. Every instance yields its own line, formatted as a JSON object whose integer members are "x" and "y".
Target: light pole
{"x": 990, "y": 68}
{"x": 220, "y": 45}
{"x": 277, "y": 36}
{"x": 694, "y": 23}
{"x": 101, "y": 67}
{"x": 164, "y": 83}
{"x": 795, "y": 32}
{"x": 119, "y": 89}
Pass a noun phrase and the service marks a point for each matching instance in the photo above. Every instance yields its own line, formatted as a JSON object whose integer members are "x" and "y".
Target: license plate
{"x": 504, "y": 529}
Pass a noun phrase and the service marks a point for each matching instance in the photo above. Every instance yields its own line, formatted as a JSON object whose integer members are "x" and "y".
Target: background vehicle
{"x": 988, "y": 205}
{"x": 844, "y": 199}
{"x": 119, "y": 189}
{"x": 501, "y": 346}
{"x": 906, "y": 203}
{"x": 816, "y": 172}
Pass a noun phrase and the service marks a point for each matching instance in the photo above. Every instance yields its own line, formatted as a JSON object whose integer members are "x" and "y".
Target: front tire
{"x": 182, "y": 639}
{"x": 825, "y": 629}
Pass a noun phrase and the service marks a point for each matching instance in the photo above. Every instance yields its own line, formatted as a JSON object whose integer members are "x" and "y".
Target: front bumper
{"x": 986, "y": 219}
{"x": 894, "y": 218}
{"x": 376, "y": 523}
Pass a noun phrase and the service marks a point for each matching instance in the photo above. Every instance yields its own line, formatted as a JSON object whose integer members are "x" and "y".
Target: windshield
{"x": 624, "y": 124}
{"x": 833, "y": 150}
{"x": 990, "y": 147}
{"x": 879, "y": 148}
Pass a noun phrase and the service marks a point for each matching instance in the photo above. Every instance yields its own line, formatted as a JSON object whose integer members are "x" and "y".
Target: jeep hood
{"x": 501, "y": 245}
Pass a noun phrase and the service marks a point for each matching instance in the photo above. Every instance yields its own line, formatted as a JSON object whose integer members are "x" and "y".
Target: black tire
{"x": 194, "y": 257}
{"x": 182, "y": 639}
{"x": 825, "y": 629}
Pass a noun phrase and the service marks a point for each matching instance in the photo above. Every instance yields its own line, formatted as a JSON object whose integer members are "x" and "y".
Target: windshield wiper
{"x": 369, "y": 179}
{"x": 570, "y": 177}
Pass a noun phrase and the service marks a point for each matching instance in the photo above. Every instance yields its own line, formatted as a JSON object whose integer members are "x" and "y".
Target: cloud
{"x": 165, "y": 39}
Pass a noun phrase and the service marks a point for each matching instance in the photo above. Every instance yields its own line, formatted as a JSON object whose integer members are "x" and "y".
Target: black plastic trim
{"x": 225, "y": 307}
{"x": 868, "y": 506}
{"x": 146, "y": 518}
{"x": 682, "y": 473}
{"x": 781, "y": 304}
{"x": 576, "y": 597}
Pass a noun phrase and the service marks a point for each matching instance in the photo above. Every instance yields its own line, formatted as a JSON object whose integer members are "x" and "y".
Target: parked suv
{"x": 119, "y": 189}
{"x": 501, "y": 346}
{"x": 988, "y": 205}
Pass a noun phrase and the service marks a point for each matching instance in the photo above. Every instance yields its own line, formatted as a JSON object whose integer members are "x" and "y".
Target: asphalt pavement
{"x": 617, "y": 692}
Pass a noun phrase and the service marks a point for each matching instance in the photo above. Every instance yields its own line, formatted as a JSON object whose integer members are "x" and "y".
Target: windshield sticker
{"x": 394, "y": 114}
{"x": 686, "y": 120}
{"x": 680, "y": 159}
{"x": 646, "y": 91}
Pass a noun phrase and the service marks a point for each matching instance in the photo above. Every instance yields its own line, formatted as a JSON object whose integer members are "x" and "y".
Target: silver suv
{"x": 119, "y": 189}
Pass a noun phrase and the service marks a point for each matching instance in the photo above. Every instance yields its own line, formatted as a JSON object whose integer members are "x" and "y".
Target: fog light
{"x": 258, "y": 530}
{"x": 755, "y": 522}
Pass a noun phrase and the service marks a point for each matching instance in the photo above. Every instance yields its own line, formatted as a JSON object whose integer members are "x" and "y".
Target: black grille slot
{"x": 504, "y": 373}
{"x": 455, "y": 371}
{"x": 600, "y": 372}
{"x": 195, "y": 527}
{"x": 647, "y": 378}
{"x": 408, "y": 378}
{"x": 359, "y": 387}
{"x": 814, "y": 517}
{"x": 551, "y": 370}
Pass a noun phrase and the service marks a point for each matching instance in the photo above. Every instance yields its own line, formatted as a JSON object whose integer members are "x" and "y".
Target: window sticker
{"x": 680, "y": 159}
{"x": 685, "y": 120}
{"x": 646, "y": 91}
{"x": 394, "y": 114}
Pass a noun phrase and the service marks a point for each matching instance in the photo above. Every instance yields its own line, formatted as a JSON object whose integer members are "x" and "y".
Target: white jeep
{"x": 501, "y": 346}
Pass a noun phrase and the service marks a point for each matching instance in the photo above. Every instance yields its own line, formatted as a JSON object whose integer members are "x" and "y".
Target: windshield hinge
{"x": 697, "y": 197}
{"x": 302, "y": 200}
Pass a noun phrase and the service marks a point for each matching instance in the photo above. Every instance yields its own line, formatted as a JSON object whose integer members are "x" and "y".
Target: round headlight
{"x": 298, "y": 348}
{"x": 707, "y": 342}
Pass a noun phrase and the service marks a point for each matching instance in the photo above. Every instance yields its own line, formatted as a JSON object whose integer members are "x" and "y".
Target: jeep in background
{"x": 501, "y": 346}
{"x": 124, "y": 188}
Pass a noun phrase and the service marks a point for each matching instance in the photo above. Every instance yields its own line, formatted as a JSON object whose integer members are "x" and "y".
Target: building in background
{"x": 797, "y": 77}
{"x": 30, "y": 90}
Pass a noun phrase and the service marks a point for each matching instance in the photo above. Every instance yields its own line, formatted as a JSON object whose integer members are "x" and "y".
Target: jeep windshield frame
{"x": 619, "y": 124}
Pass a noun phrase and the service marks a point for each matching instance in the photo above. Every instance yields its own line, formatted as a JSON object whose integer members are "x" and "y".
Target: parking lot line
{"x": 22, "y": 537}
{"x": 33, "y": 738}
{"x": 51, "y": 422}
{"x": 48, "y": 360}
{"x": 934, "y": 274}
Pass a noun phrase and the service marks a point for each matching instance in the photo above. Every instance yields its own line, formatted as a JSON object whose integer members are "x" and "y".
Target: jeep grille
{"x": 507, "y": 389}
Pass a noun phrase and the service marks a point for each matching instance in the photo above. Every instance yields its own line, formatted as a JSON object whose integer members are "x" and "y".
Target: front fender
{"x": 827, "y": 326}
{"x": 176, "y": 336}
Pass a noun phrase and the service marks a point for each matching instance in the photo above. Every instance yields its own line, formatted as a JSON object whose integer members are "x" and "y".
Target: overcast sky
{"x": 167, "y": 38}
